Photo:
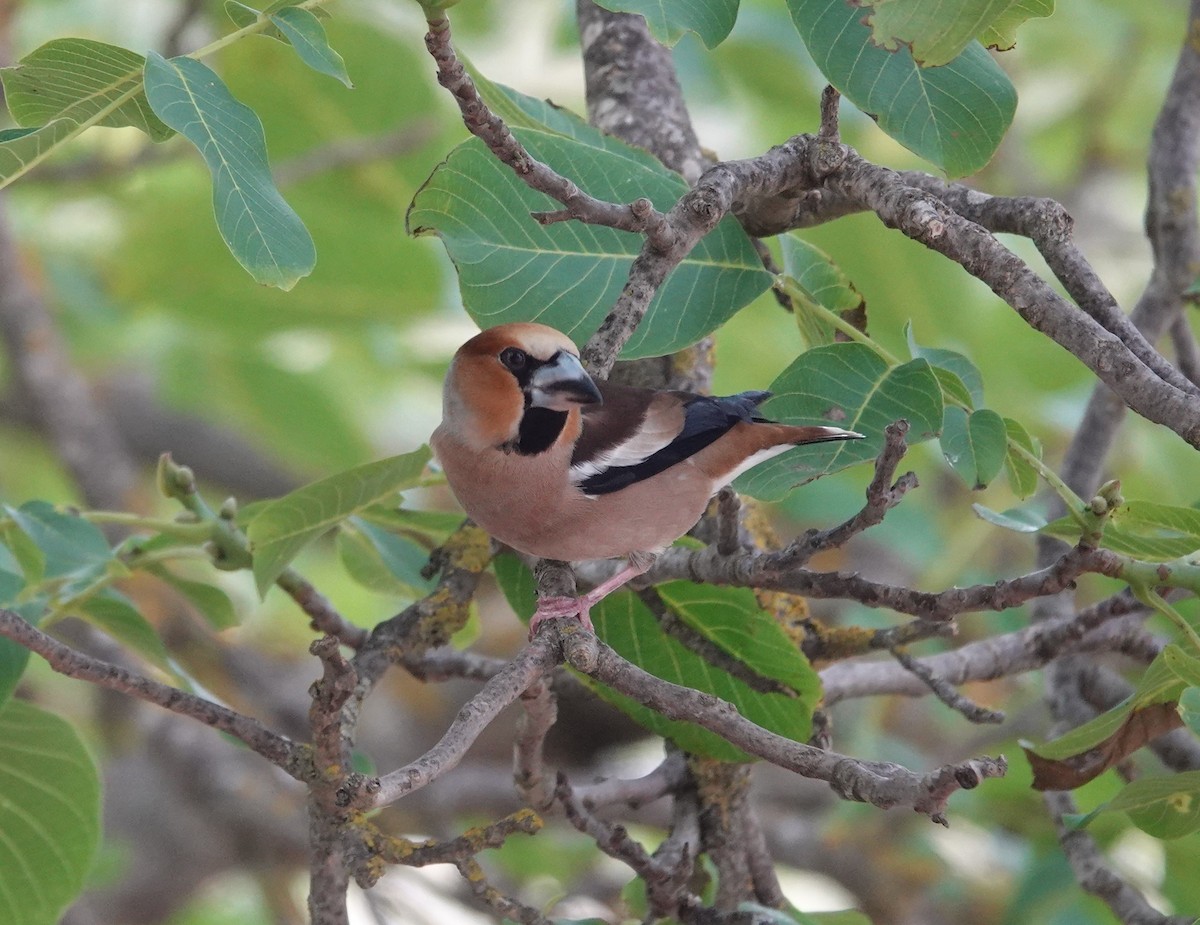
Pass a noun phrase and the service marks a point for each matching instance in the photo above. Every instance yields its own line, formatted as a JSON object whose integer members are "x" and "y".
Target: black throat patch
{"x": 537, "y": 432}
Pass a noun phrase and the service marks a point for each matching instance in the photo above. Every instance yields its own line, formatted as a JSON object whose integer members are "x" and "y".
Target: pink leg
{"x": 553, "y": 607}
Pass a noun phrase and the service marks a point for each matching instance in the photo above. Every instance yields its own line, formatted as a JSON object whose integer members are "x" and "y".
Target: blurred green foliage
{"x": 346, "y": 368}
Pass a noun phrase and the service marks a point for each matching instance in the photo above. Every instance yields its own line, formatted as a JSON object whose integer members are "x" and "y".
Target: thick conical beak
{"x": 562, "y": 383}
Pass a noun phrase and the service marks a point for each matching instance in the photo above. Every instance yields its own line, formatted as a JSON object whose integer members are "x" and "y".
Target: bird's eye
{"x": 514, "y": 358}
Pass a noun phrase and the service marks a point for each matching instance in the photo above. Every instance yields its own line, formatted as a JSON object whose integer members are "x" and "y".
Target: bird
{"x": 559, "y": 466}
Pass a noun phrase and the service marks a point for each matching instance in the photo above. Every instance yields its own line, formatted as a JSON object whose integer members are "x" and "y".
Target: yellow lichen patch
{"x": 832, "y": 643}
{"x": 468, "y": 547}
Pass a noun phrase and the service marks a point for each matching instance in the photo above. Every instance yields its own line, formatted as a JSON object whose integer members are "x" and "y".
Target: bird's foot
{"x": 551, "y": 608}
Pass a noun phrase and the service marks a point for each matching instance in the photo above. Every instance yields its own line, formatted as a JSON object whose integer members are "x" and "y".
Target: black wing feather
{"x": 706, "y": 418}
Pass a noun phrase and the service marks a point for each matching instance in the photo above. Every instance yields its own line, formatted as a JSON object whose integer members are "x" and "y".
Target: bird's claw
{"x": 551, "y": 608}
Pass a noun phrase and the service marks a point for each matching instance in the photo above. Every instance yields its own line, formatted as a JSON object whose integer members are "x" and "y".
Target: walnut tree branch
{"x": 881, "y": 784}
{"x": 279, "y": 750}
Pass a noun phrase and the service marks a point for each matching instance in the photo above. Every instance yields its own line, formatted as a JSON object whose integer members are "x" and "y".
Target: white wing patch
{"x": 658, "y": 429}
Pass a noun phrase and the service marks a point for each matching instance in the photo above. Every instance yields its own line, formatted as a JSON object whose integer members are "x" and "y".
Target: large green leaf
{"x": 569, "y": 274}
{"x": 626, "y": 624}
{"x": 261, "y": 230}
{"x": 937, "y": 33}
{"x": 974, "y": 444}
{"x": 49, "y": 814}
{"x": 953, "y": 115}
{"x": 850, "y": 386}
{"x": 76, "y": 79}
{"x": 70, "y": 84}
{"x": 668, "y": 20}
{"x": 286, "y": 525}
{"x": 732, "y": 619}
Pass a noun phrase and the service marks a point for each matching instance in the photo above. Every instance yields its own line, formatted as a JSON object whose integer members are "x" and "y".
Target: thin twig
{"x": 525, "y": 670}
{"x": 944, "y": 690}
{"x": 279, "y": 750}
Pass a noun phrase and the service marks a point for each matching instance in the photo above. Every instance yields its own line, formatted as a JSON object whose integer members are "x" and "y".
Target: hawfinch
{"x": 558, "y": 466}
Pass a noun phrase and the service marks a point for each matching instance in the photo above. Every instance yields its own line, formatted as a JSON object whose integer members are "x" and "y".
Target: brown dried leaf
{"x": 1140, "y": 727}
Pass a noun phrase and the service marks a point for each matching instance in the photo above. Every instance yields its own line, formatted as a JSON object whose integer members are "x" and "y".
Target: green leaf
{"x": 668, "y": 20}
{"x": 71, "y": 547}
{"x": 1142, "y": 529}
{"x": 517, "y": 584}
{"x": 1189, "y": 709}
{"x": 626, "y": 624}
{"x": 286, "y": 525}
{"x": 1000, "y": 34}
{"x": 382, "y": 561}
{"x": 1160, "y": 684}
{"x": 953, "y": 116}
{"x": 13, "y": 657}
{"x": 49, "y": 814}
{"x": 732, "y": 619}
{"x": 937, "y": 34}
{"x": 1018, "y": 519}
{"x": 848, "y": 385}
{"x": 76, "y": 79}
{"x": 261, "y": 230}
{"x": 821, "y": 282}
{"x": 960, "y": 378}
{"x": 1022, "y": 474}
{"x": 569, "y": 274}
{"x": 117, "y": 616}
{"x": 305, "y": 33}
{"x": 213, "y": 603}
{"x": 975, "y": 444}
{"x": 1165, "y": 807}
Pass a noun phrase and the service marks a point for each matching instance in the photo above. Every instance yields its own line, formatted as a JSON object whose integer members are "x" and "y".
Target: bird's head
{"x": 500, "y": 374}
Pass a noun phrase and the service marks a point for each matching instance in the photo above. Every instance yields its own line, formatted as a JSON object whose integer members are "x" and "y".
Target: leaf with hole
{"x": 1165, "y": 807}
{"x": 937, "y": 34}
{"x": 953, "y": 116}
{"x": 846, "y": 385}
{"x": 260, "y": 229}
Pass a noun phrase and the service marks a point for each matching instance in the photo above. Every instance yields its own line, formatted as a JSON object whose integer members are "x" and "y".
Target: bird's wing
{"x": 637, "y": 433}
